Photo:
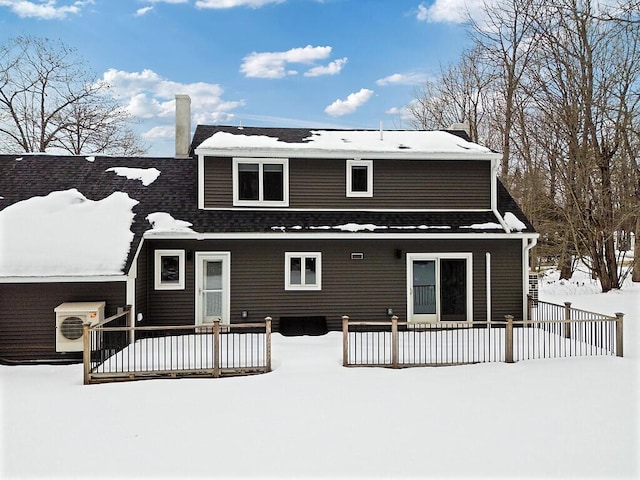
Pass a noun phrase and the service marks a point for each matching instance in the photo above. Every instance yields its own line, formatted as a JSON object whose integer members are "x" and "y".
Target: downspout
{"x": 527, "y": 245}
{"x": 494, "y": 195}
{"x": 488, "y": 284}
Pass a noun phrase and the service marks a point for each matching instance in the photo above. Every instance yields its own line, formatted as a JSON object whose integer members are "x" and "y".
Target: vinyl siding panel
{"x": 142, "y": 282}
{"x": 362, "y": 289}
{"x": 398, "y": 184}
{"x": 218, "y": 190}
{"x": 27, "y": 319}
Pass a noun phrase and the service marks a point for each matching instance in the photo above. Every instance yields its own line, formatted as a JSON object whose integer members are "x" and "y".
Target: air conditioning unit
{"x": 70, "y": 317}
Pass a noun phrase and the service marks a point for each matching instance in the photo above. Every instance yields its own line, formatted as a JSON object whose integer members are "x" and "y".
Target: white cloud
{"x": 332, "y": 68}
{"x": 272, "y": 64}
{"x": 234, "y": 3}
{"x": 402, "y": 79}
{"x": 150, "y": 98}
{"x": 165, "y": 131}
{"x": 143, "y": 11}
{"x": 450, "y": 11}
{"x": 350, "y": 105}
{"x": 45, "y": 10}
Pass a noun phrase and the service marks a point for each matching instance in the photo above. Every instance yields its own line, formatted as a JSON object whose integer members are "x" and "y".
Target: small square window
{"x": 359, "y": 178}
{"x": 303, "y": 270}
{"x": 169, "y": 270}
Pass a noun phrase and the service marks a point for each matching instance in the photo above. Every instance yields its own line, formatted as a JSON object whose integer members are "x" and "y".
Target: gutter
{"x": 494, "y": 195}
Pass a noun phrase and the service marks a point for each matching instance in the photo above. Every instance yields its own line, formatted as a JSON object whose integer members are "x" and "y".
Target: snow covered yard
{"x": 310, "y": 417}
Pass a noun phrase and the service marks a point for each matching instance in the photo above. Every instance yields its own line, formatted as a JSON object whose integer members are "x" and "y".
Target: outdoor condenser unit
{"x": 70, "y": 317}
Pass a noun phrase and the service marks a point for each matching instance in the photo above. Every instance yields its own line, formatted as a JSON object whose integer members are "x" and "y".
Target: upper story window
{"x": 359, "y": 178}
{"x": 260, "y": 182}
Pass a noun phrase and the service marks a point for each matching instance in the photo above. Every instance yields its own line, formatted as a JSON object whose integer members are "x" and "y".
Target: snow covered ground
{"x": 310, "y": 417}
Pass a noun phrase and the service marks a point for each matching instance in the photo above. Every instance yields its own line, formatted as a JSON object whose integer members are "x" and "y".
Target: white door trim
{"x": 200, "y": 258}
{"x": 411, "y": 257}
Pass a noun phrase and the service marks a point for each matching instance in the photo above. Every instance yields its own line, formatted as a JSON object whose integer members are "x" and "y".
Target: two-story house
{"x": 301, "y": 225}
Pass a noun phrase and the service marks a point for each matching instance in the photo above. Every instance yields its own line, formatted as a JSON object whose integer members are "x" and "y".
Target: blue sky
{"x": 304, "y": 63}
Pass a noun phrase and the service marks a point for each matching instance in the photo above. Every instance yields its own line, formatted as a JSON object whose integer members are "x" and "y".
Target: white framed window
{"x": 169, "y": 270}
{"x": 359, "y": 178}
{"x": 303, "y": 271}
{"x": 261, "y": 182}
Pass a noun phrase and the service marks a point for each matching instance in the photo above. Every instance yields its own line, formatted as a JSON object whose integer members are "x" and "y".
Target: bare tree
{"x": 560, "y": 96}
{"x": 459, "y": 94}
{"x": 48, "y": 99}
{"x": 584, "y": 79}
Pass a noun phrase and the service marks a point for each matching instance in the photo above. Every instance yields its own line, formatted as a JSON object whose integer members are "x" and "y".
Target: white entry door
{"x": 213, "y": 290}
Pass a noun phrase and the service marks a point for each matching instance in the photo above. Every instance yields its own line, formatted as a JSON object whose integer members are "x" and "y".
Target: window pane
{"x": 213, "y": 276}
{"x": 295, "y": 272}
{"x": 359, "y": 176}
{"x": 213, "y": 304}
{"x": 248, "y": 181}
{"x": 273, "y": 180}
{"x": 310, "y": 271}
{"x": 424, "y": 286}
{"x": 170, "y": 269}
{"x": 453, "y": 289}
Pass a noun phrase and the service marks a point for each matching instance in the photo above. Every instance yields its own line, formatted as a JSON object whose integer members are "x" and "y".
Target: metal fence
{"x": 550, "y": 333}
{"x": 120, "y": 352}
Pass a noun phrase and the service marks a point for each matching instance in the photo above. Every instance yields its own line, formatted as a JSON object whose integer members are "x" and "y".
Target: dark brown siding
{"x": 218, "y": 191}
{"x": 362, "y": 289}
{"x": 143, "y": 279}
{"x": 416, "y": 184}
{"x": 27, "y": 319}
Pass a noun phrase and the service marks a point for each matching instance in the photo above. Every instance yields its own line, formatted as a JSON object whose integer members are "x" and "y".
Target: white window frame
{"x": 261, "y": 162}
{"x": 303, "y": 256}
{"x": 437, "y": 257}
{"x": 357, "y": 162}
{"x": 158, "y": 283}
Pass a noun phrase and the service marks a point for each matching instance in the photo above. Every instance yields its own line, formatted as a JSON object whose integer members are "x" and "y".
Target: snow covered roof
{"x": 78, "y": 216}
{"x": 321, "y": 143}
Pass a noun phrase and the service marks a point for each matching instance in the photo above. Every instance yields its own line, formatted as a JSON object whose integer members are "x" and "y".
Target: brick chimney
{"x": 183, "y": 125}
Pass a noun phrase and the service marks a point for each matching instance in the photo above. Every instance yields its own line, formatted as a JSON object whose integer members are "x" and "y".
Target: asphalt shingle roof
{"x": 175, "y": 192}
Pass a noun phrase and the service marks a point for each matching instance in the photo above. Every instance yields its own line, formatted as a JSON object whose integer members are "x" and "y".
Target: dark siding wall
{"x": 362, "y": 289}
{"x": 416, "y": 184}
{"x": 218, "y": 191}
{"x": 27, "y": 319}
{"x": 144, "y": 278}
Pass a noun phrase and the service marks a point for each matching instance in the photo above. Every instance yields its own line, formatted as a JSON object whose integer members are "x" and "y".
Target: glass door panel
{"x": 453, "y": 289}
{"x": 424, "y": 288}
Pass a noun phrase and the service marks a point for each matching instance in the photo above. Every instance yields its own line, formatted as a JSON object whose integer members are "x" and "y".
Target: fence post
{"x": 567, "y": 318}
{"x": 86, "y": 352}
{"x": 216, "y": 348}
{"x": 267, "y": 321}
{"x": 345, "y": 340}
{"x": 130, "y": 323}
{"x": 619, "y": 337}
{"x": 394, "y": 341}
{"x": 529, "y": 310}
{"x": 508, "y": 340}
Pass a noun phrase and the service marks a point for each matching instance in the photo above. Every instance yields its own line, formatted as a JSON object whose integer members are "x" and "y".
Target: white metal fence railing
{"x": 405, "y": 344}
{"x": 120, "y": 352}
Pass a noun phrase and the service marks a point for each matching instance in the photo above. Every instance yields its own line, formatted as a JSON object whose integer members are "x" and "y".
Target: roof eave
{"x": 324, "y": 153}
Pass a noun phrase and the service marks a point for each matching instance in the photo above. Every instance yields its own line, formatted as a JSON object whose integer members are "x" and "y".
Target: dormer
{"x": 250, "y": 167}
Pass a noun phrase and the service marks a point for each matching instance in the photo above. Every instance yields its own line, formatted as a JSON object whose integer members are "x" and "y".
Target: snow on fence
{"x": 552, "y": 331}
{"x": 120, "y": 352}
